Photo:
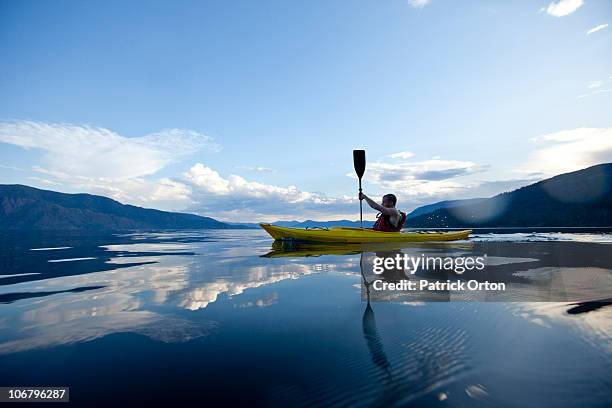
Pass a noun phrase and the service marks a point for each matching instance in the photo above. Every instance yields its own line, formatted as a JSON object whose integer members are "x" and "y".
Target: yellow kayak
{"x": 358, "y": 235}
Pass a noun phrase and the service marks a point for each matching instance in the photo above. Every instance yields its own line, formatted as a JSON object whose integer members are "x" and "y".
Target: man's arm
{"x": 378, "y": 207}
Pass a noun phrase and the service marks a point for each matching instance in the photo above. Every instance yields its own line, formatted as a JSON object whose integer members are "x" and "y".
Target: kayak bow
{"x": 358, "y": 235}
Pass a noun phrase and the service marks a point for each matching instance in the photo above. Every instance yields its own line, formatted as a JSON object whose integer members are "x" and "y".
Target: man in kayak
{"x": 390, "y": 219}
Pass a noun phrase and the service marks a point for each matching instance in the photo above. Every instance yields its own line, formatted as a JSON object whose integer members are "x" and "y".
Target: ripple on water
{"x": 399, "y": 371}
{"x": 545, "y": 358}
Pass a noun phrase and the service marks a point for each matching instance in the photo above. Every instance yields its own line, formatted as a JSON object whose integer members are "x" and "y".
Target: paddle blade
{"x": 359, "y": 162}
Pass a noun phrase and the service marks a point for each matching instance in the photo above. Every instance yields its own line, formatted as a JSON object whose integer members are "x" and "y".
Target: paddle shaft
{"x": 360, "y": 206}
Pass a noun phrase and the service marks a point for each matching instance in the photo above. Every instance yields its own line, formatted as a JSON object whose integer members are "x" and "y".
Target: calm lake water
{"x": 193, "y": 318}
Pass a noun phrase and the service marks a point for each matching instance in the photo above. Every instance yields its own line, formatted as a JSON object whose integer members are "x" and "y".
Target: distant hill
{"x": 23, "y": 207}
{"x": 426, "y": 209}
{"x": 322, "y": 224}
{"x": 244, "y": 225}
{"x": 581, "y": 198}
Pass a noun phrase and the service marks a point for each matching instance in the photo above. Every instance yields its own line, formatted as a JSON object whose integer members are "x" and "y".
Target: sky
{"x": 249, "y": 111}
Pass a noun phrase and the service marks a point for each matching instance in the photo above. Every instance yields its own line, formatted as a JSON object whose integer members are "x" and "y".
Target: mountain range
{"x": 28, "y": 208}
{"x": 581, "y": 198}
{"x": 426, "y": 209}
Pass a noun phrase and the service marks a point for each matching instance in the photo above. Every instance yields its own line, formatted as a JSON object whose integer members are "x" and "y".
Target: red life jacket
{"x": 383, "y": 223}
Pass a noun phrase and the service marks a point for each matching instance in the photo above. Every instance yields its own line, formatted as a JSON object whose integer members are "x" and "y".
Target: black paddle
{"x": 360, "y": 164}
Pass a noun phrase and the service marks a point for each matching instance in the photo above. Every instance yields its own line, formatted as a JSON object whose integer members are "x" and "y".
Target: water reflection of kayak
{"x": 288, "y": 248}
{"x": 358, "y": 235}
{"x": 292, "y": 248}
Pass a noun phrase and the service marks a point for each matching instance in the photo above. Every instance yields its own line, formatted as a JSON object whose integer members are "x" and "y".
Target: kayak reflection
{"x": 282, "y": 249}
{"x": 290, "y": 248}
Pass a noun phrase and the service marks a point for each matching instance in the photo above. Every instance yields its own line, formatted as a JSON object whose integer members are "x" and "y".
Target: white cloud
{"x": 207, "y": 179}
{"x": 99, "y": 161}
{"x": 570, "y": 150}
{"x": 45, "y": 181}
{"x": 594, "y": 89}
{"x": 100, "y": 153}
{"x": 600, "y": 91}
{"x": 563, "y": 8}
{"x": 419, "y": 3}
{"x": 419, "y": 182}
{"x": 594, "y": 84}
{"x": 428, "y": 170}
{"x": 596, "y": 28}
{"x": 236, "y": 198}
{"x": 258, "y": 169}
{"x": 401, "y": 155}
{"x": 171, "y": 191}
{"x": 2, "y": 166}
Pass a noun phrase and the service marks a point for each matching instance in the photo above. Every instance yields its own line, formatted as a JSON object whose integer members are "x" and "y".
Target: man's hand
{"x": 378, "y": 207}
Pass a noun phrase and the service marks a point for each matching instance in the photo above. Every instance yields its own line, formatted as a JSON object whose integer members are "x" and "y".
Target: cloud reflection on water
{"x": 129, "y": 299}
{"x": 148, "y": 292}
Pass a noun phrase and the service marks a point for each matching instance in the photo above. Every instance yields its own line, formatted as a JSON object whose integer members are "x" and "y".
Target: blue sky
{"x": 249, "y": 110}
